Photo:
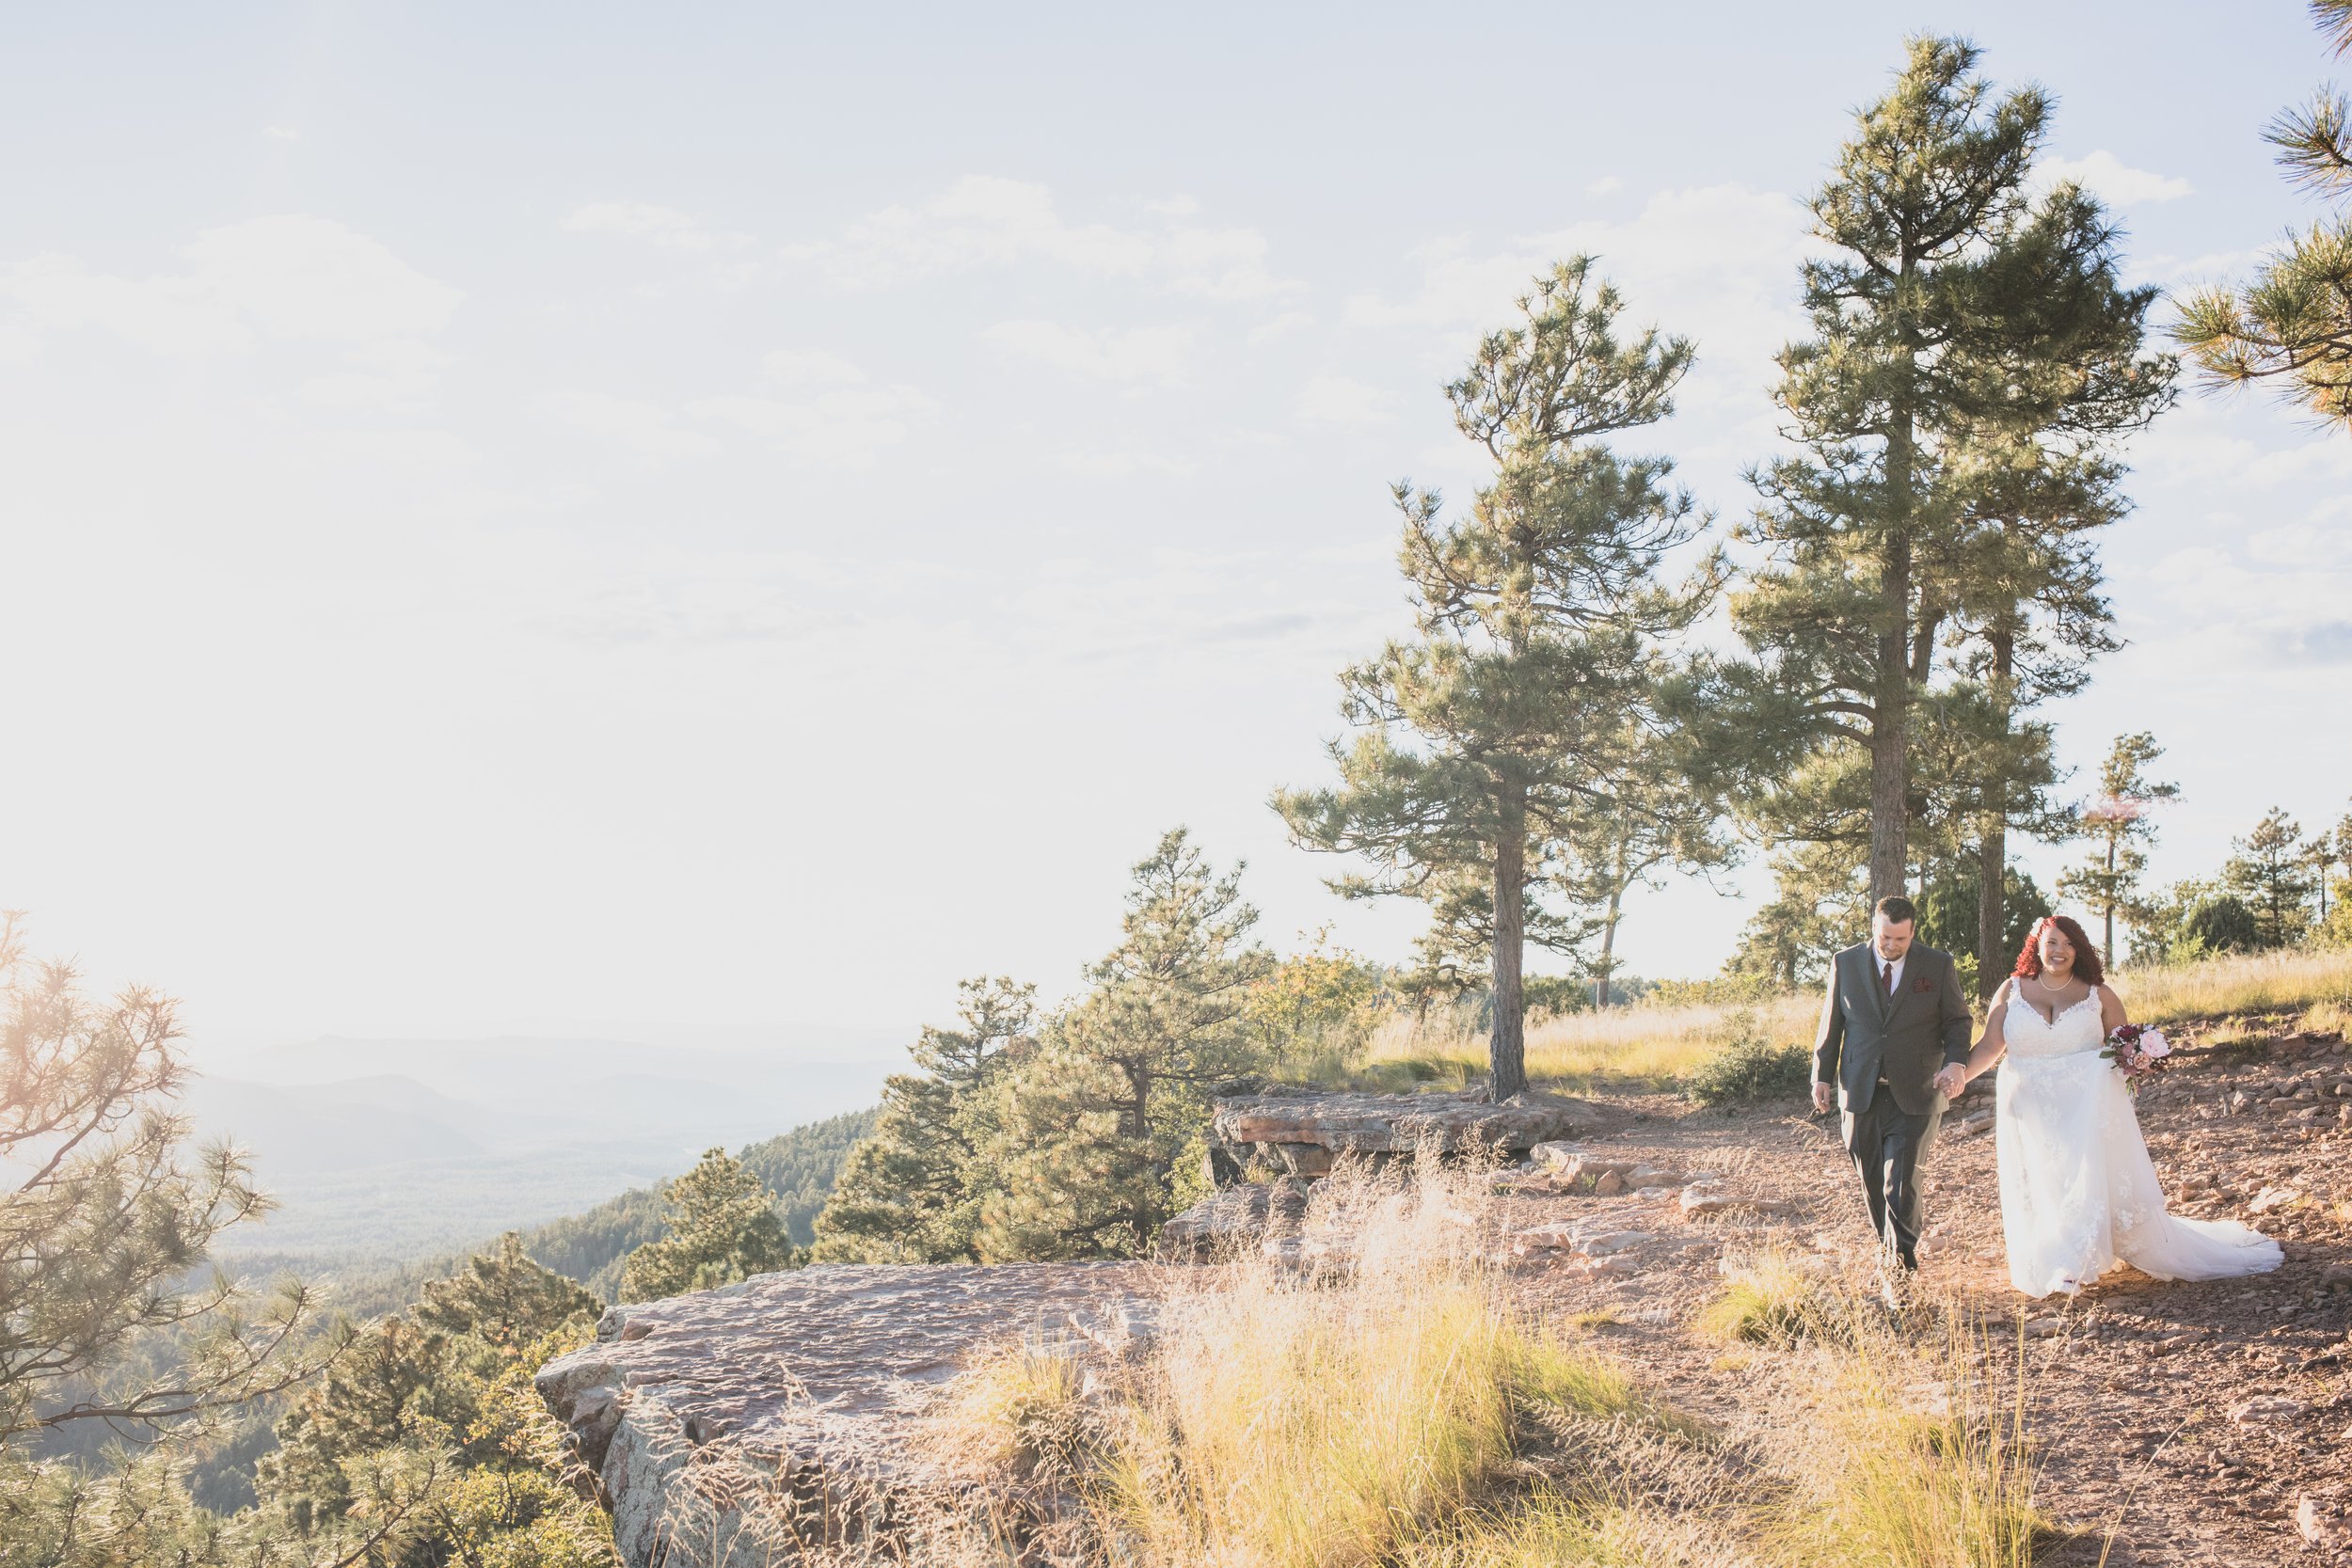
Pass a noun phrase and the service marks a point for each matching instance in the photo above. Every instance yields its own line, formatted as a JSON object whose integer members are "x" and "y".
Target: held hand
{"x": 1953, "y": 1079}
{"x": 1821, "y": 1098}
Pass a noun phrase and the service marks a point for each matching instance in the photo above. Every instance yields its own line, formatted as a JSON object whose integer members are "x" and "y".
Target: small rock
{"x": 1610, "y": 1184}
{"x": 1613, "y": 1241}
{"x": 2273, "y": 1197}
{"x": 2043, "y": 1328}
{"x": 2171, "y": 1342}
{"x": 2316, "y": 1527}
{"x": 2267, "y": 1410}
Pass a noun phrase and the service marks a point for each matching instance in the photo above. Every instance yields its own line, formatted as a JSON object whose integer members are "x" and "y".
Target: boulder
{"x": 791, "y": 1406}
{"x": 1304, "y": 1131}
{"x": 1236, "y": 1220}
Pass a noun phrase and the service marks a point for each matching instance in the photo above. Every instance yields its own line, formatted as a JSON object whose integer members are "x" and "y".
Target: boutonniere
{"x": 1922, "y": 986}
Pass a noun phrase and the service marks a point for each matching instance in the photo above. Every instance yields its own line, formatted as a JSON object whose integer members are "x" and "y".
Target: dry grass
{"x": 1284, "y": 1425}
{"x": 1920, "y": 1456}
{"x": 2299, "y": 981}
{"x": 1653, "y": 1048}
{"x": 1770, "y": 1298}
{"x": 1635, "y": 1047}
{"x": 1399, "y": 1410}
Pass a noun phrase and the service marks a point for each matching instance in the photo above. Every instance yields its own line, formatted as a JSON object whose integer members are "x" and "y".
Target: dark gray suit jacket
{"x": 1905, "y": 1039}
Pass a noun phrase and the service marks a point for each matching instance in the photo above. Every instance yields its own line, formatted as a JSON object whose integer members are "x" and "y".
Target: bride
{"x": 2078, "y": 1193}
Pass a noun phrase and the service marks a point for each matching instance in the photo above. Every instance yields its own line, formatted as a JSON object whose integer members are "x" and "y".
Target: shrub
{"x": 1749, "y": 1066}
{"x": 2220, "y": 926}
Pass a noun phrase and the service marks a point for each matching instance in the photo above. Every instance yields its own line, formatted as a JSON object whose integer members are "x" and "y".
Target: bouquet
{"x": 2138, "y": 1052}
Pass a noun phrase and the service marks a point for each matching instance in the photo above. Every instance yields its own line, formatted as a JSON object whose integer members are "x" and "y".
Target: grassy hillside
{"x": 798, "y": 1169}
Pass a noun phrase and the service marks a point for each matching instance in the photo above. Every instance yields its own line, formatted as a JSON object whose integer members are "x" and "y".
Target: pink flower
{"x": 2152, "y": 1044}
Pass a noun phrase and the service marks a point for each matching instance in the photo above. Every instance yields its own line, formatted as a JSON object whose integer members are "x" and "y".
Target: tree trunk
{"x": 1508, "y": 1052}
{"x": 1890, "y": 758}
{"x": 1890, "y": 733}
{"x": 1609, "y": 931}
{"x": 2107, "y": 954}
{"x": 1992, "y": 845}
{"x": 1992, "y": 922}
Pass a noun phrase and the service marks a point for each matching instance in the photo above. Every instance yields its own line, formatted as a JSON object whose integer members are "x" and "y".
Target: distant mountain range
{"x": 464, "y": 1138}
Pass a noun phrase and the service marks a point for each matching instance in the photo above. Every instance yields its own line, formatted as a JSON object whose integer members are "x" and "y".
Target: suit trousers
{"x": 1885, "y": 1142}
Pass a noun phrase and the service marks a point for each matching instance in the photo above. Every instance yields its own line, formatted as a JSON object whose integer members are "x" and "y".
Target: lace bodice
{"x": 2028, "y": 1034}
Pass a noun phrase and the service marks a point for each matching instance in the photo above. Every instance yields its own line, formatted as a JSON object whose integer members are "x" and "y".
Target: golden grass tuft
{"x": 1769, "y": 1298}
{"x": 2290, "y": 981}
{"x": 1284, "y": 1425}
{"x": 1921, "y": 1458}
{"x": 1016, "y": 1411}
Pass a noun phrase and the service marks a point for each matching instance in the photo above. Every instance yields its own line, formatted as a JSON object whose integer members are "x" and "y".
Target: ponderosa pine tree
{"x": 912, "y": 1192}
{"x": 2119, "y": 826}
{"x": 2328, "y": 849}
{"x": 2293, "y": 324}
{"x": 427, "y": 1445}
{"x": 1100, "y": 1123}
{"x": 723, "y": 1229}
{"x": 106, "y": 1219}
{"x": 1657, "y": 820}
{"x": 1492, "y": 742}
{"x": 2266, "y": 872}
{"x": 2026, "y": 616}
{"x": 1953, "y": 304}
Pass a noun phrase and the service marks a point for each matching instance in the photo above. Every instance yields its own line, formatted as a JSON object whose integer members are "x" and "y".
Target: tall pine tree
{"x": 1491, "y": 742}
{"x": 912, "y": 1192}
{"x": 1953, "y": 310}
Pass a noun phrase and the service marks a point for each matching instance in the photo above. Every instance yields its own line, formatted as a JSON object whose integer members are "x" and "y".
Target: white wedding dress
{"x": 2078, "y": 1191}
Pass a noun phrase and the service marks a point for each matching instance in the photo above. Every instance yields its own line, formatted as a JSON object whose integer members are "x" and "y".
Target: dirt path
{"x": 2201, "y": 1416}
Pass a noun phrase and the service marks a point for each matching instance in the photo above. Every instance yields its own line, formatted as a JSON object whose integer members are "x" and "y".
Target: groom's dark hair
{"x": 1897, "y": 908}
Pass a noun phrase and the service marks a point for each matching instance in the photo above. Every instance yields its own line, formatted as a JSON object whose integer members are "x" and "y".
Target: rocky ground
{"x": 2178, "y": 1423}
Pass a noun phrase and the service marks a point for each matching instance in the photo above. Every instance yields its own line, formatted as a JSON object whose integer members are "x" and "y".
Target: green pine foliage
{"x": 2120, "y": 827}
{"x": 1498, "y": 751}
{"x": 911, "y": 1190}
{"x": 2270, "y": 873}
{"x": 799, "y": 1170}
{"x": 1101, "y": 1127}
{"x": 2292, "y": 326}
{"x": 111, "y": 1324}
{"x": 425, "y": 1443}
{"x": 1971, "y": 347}
{"x": 719, "y": 1228}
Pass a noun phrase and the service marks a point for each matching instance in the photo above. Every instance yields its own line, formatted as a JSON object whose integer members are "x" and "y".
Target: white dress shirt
{"x": 1877, "y": 971}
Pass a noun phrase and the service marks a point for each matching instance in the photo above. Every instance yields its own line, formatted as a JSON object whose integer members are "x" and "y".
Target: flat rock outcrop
{"x": 729, "y": 1426}
{"x": 1304, "y": 1131}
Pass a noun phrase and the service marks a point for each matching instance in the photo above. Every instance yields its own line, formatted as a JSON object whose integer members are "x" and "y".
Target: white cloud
{"x": 984, "y": 221}
{"x": 1125, "y": 465}
{"x": 282, "y": 133}
{"x": 644, "y": 220}
{"x": 1335, "y": 400}
{"x": 1280, "y": 326}
{"x": 2110, "y": 179}
{"x": 846, "y": 427}
{"x": 819, "y": 409}
{"x": 1105, "y": 354}
{"x": 636, "y": 425}
{"x": 290, "y": 279}
{"x": 305, "y": 278}
{"x": 1608, "y": 184}
{"x": 810, "y": 368}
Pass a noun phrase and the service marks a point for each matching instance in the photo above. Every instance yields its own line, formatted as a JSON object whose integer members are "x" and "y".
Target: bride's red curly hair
{"x": 2087, "y": 965}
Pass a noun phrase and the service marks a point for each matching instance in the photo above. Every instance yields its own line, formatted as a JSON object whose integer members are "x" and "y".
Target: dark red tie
{"x": 1886, "y": 973}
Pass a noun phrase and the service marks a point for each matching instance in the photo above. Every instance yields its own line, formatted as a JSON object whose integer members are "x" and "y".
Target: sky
{"x": 715, "y": 522}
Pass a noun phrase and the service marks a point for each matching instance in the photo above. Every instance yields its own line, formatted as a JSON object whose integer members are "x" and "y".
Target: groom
{"x": 1894, "y": 1031}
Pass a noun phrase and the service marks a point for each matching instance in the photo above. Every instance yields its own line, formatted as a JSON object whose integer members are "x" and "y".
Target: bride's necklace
{"x": 2057, "y": 1002}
